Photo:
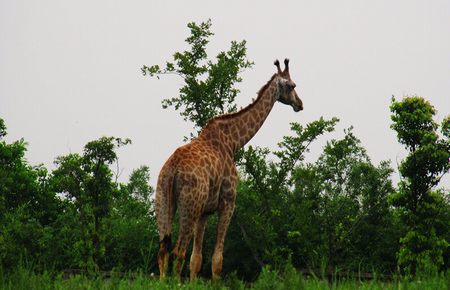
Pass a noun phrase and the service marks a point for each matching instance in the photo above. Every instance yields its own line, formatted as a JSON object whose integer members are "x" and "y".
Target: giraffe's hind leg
{"x": 189, "y": 210}
{"x": 163, "y": 256}
{"x": 196, "y": 257}
{"x": 165, "y": 246}
{"x": 179, "y": 252}
{"x": 184, "y": 237}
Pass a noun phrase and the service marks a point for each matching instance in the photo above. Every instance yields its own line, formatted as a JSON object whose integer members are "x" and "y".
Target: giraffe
{"x": 200, "y": 178}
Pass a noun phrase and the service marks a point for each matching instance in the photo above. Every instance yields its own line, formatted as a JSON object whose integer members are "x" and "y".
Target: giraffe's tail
{"x": 165, "y": 211}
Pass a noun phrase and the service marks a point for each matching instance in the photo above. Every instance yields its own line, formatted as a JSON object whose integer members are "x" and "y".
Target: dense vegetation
{"x": 287, "y": 278}
{"x": 339, "y": 213}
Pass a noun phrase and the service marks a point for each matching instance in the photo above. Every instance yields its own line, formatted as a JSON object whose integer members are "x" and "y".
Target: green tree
{"x": 422, "y": 247}
{"x": 264, "y": 207}
{"x": 209, "y": 89}
{"x": 139, "y": 185}
{"x": 342, "y": 208}
{"x": 132, "y": 238}
{"x": 27, "y": 207}
{"x": 209, "y": 86}
{"x": 87, "y": 180}
{"x": 22, "y": 184}
{"x": 272, "y": 219}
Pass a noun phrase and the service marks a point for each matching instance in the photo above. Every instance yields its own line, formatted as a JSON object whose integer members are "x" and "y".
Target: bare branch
{"x": 246, "y": 239}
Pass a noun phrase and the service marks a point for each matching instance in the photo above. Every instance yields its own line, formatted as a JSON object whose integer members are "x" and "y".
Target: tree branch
{"x": 254, "y": 254}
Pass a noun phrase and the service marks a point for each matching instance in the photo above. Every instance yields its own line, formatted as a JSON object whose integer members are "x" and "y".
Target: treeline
{"x": 77, "y": 216}
{"x": 340, "y": 212}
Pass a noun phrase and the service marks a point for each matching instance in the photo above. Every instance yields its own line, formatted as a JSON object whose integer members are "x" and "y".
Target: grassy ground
{"x": 289, "y": 279}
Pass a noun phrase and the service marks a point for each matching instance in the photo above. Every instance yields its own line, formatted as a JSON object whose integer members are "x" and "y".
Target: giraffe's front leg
{"x": 225, "y": 214}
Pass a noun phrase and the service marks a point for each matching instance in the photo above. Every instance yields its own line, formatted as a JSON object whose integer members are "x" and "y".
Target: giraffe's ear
{"x": 277, "y": 64}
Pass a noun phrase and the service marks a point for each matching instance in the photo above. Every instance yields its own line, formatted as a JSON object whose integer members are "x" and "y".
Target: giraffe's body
{"x": 200, "y": 178}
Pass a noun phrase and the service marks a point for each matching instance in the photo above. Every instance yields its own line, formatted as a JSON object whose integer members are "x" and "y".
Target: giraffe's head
{"x": 286, "y": 87}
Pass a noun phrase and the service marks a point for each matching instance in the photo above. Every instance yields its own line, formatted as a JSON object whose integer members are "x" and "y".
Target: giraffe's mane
{"x": 242, "y": 111}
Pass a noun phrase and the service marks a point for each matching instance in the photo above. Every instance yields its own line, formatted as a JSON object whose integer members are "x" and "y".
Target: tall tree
{"x": 26, "y": 204}
{"x": 131, "y": 239}
{"x": 342, "y": 201}
{"x": 209, "y": 86}
{"x": 422, "y": 248}
{"x": 266, "y": 206}
{"x": 87, "y": 179}
{"x": 139, "y": 185}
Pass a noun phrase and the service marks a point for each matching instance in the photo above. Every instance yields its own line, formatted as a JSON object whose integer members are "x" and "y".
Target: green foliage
{"x": 132, "y": 238}
{"x": 337, "y": 213}
{"x": 209, "y": 86}
{"x": 2, "y": 128}
{"x": 265, "y": 206}
{"x": 331, "y": 213}
{"x": 344, "y": 209}
{"x": 139, "y": 185}
{"x": 328, "y": 214}
{"x": 285, "y": 278}
{"x": 79, "y": 216}
{"x": 294, "y": 147}
{"x": 21, "y": 183}
{"x": 27, "y": 208}
{"x": 87, "y": 180}
{"x": 422, "y": 248}
{"x": 413, "y": 121}
{"x": 446, "y": 127}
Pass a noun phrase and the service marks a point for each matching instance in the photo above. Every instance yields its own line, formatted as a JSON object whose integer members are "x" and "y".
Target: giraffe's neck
{"x": 234, "y": 130}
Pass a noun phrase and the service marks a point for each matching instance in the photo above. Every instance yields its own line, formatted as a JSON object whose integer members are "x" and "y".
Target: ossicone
{"x": 277, "y": 64}
{"x": 286, "y": 65}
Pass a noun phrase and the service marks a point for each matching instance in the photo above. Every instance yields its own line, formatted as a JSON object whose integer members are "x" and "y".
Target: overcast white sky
{"x": 70, "y": 70}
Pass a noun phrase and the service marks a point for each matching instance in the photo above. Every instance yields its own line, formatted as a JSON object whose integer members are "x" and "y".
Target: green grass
{"x": 268, "y": 279}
